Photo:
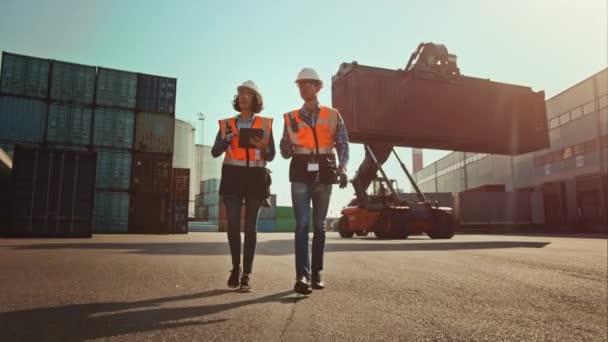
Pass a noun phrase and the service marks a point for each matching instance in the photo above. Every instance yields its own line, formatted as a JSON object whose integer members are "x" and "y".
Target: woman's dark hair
{"x": 257, "y": 106}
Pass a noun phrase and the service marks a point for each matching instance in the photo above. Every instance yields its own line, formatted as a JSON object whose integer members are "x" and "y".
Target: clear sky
{"x": 211, "y": 47}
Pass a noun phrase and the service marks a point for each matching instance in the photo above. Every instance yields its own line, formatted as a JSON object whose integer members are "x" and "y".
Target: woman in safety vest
{"x": 245, "y": 178}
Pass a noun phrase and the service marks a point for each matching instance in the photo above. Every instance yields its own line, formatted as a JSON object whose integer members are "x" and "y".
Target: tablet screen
{"x": 246, "y": 133}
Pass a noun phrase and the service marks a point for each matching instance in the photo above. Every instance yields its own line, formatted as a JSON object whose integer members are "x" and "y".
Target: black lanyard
{"x": 314, "y": 132}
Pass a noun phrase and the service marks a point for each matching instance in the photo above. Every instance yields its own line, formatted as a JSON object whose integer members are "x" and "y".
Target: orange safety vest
{"x": 235, "y": 155}
{"x": 301, "y": 134}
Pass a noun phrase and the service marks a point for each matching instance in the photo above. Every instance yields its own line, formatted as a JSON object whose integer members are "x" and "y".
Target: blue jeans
{"x": 301, "y": 196}
{"x": 233, "y": 214}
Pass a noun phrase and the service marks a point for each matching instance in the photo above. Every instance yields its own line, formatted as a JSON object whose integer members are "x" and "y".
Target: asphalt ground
{"x": 173, "y": 288}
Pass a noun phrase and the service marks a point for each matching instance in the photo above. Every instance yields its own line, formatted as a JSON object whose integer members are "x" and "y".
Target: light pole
{"x": 202, "y": 117}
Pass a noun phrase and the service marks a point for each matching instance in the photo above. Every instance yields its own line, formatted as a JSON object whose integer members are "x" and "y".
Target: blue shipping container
{"x": 113, "y": 128}
{"x": 113, "y": 170}
{"x": 54, "y": 192}
{"x": 156, "y": 94}
{"x": 116, "y": 88}
{"x": 22, "y": 120}
{"x": 70, "y": 125}
{"x": 72, "y": 83}
{"x": 111, "y": 212}
{"x": 23, "y": 75}
{"x": 266, "y": 226}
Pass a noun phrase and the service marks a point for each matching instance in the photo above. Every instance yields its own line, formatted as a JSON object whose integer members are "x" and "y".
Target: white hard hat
{"x": 250, "y": 85}
{"x": 308, "y": 74}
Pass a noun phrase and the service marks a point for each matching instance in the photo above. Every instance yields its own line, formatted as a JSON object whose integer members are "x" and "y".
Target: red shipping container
{"x": 181, "y": 184}
{"x": 471, "y": 114}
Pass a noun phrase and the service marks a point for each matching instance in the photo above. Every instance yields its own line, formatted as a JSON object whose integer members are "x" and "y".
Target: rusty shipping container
{"x": 470, "y": 114}
{"x": 151, "y": 205}
{"x": 150, "y": 213}
{"x": 151, "y": 173}
{"x": 181, "y": 184}
{"x": 54, "y": 192}
{"x": 154, "y": 133}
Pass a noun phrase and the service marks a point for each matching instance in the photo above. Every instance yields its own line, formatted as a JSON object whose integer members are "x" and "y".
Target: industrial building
{"x": 567, "y": 183}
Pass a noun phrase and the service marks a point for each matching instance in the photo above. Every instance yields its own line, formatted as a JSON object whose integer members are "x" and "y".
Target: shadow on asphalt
{"x": 285, "y": 247}
{"x": 81, "y": 322}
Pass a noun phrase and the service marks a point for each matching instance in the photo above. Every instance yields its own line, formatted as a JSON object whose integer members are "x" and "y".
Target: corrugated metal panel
{"x": 23, "y": 75}
{"x": 151, "y": 173}
{"x": 156, "y": 94}
{"x": 113, "y": 128}
{"x": 473, "y": 115}
{"x": 54, "y": 192}
{"x": 22, "y": 120}
{"x": 113, "y": 170}
{"x": 183, "y": 145}
{"x": 181, "y": 184}
{"x": 154, "y": 133}
{"x": 111, "y": 212}
{"x": 72, "y": 83}
{"x": 116, "y": 88}
{"x": 69, "y": 125}
{"x": 150, "y": 213}
{"x": 487, "y": 208}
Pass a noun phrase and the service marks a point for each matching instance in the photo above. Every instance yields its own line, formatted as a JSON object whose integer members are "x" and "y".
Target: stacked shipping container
{"x": 113, "y": 128}
{"x": 152, "y": 209}
{"x": 77, "y": 107}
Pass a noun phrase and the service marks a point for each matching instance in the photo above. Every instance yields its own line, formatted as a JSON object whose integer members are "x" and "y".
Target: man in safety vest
{"x": 310, "y": 136}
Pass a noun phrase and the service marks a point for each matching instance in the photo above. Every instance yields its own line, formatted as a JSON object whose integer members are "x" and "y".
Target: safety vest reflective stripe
{"x": 304, "y": 150}
{"x": 252, "y": 163}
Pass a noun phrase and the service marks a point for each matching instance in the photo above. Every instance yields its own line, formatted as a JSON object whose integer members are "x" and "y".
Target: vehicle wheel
{"x": 343, "y": 228}
{"x": 390, "y": 225}
{"x": 444, "y": 226}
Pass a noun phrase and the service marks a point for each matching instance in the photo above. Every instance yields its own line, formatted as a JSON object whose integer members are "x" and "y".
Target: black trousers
{"x": 233, "y": 212}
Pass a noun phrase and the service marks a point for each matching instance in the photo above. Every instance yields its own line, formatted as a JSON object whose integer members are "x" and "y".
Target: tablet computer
{"x": 246, "y": 133}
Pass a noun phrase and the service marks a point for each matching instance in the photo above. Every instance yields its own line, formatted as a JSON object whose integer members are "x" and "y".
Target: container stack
{"x": 127, "y": 118}
{"x": 113, "y": 135}
{"x": 152, "y": 205}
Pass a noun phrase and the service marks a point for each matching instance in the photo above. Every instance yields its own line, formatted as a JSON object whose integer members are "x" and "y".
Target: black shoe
{"x": 303, "y": 286}
{"x": 317, "y": 283}
{"x": 245, "y": 287}
{"x": 233, "y": 281}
